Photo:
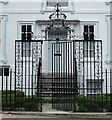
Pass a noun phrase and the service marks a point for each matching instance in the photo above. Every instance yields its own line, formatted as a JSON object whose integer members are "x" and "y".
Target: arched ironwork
{"x": 58, "y": 30}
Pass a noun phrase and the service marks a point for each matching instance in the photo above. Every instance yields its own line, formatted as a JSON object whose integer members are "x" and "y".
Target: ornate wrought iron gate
{"x": 64, "y": 85}
{"x": 27, "y": 75}
{"x": 77, "y": 81}
{"x": 88, "y": 56}
{"x": 77, "y": 75}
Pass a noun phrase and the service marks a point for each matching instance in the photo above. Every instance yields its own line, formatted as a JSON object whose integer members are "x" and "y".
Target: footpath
{"x": 52, "y": 114}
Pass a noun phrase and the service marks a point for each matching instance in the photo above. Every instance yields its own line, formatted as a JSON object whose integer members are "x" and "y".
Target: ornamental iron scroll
{"x": 58, "y": 30}
{"x": 88, "y": 56}
{"x": 27, "y": 74}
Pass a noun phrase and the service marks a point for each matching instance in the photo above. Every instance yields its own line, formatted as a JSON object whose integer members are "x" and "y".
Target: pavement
{"x": 53, "y": 114}
{"x": 47, "y": 117}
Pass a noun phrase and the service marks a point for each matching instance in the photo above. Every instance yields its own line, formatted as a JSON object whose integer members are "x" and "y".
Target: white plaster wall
{"x": 30, "y": 12}
{"x": 0, "y": 39}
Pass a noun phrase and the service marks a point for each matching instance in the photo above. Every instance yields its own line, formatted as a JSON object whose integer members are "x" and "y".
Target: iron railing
{"x": 22, "y": 101}
{"x": 27, "y": 68}
{"x": 88, "y": 103}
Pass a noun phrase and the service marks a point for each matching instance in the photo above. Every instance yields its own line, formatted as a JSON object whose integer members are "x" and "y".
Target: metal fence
{"x": 19, "y": 99}
{"x": 98, "y": 98}
{"x": 98, "y": 101}
{"x": 28, "y": 56}
{"x": 7, "y": 84}
{"x": 107, "y": 90}
{"x": 78, "y": 80}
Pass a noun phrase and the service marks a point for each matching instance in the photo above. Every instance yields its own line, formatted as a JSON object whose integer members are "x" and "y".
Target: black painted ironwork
{"x": 58, "y": 30}
{"x": 88, "y": 56}
{"x": 78, "y": 80}
{"x": 64, "y": 85}
{"x": 27, "y": 75}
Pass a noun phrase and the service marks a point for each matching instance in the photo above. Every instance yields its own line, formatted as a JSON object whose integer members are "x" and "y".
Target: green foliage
{"x": 32, "y": 103}
{"x": 47, "y": 100}
{"x": 22, "y": 101}
{"x": 97, "y": 103}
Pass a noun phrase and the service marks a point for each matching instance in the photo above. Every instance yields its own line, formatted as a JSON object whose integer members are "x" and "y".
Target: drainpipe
{"x": 108, "y": 40}
{"x": 4, "y": 24}
{"x": 5, "y": 52}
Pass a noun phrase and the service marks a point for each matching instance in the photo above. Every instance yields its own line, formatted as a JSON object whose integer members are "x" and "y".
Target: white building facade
{"x": 14, "y": 15}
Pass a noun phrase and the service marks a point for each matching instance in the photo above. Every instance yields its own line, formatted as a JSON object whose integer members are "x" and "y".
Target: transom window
{"x": 51, "y": 3}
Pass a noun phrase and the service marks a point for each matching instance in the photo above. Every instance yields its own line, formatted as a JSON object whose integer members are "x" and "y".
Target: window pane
{"x": 51, "y": 2}
{"x": 54, "y": 2}
{"x": 85, "y": 28}
{"x": 85, "y": 53}
{"x": 89, "y": 45}
{"x": 92, "y": 53}
{"x": 91, "y": 27}
{"x": 26, "y": 53}
{"x": 85, "y": 45}
{"x": 23, "y": 36}
{"x": 1, "y": 71}
{"x": 6, "y": 71}
{"x": 23, "y": 28}
{"x": 88, "y": 53}
{"x": 63, "y": 2}
{"x": 85, "y": 36}
{"x": 29, "y": 28}
{"x": 26, "y": 49}
{"x": 91, "y": 36}
{"x": 26, "y": 45}
{"x": 29, "y": 36}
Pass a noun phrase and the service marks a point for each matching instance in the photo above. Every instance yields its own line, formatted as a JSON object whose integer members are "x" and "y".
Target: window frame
{"x": 94, "y": 83}
{"x": 19, "y": 28}
{"x": 61, "y": 6}
{"x": 88, "y": 22}
{"x": 69, "y": 8}
{"x": 27, "y": 49}
{"x": 20, "y": 23}
{"x": 96, "y": 29}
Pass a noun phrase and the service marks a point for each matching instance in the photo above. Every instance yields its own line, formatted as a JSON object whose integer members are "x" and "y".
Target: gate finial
{"x": 58, "y": 16}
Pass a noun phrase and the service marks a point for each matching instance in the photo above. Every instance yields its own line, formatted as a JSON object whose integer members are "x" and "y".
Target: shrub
{"x": 87, "y": 104}
{"x": 47, "y": 100}
{"x": 22, "y": 101}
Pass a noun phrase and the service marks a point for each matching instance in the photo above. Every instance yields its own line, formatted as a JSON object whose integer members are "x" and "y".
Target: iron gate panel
{"x": 64, "y": 85}
{"x": 88, "y": 56}
{"x": 27, "y": 75}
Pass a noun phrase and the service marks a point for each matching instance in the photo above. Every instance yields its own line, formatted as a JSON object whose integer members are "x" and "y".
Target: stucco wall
{"x": 17, "y": 12}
